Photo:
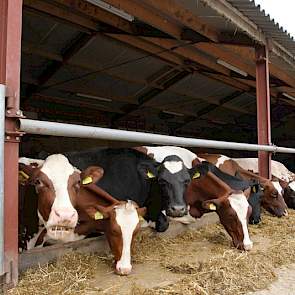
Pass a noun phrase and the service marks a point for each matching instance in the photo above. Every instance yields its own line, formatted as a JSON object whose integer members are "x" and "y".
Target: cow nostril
{"x": 56, "y": 213}
{"x": 178, "y": 208}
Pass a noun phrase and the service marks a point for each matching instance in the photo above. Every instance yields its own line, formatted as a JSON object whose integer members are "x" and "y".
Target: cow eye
{"x": 274, "y": 194}
{"x": 38, "y": 182}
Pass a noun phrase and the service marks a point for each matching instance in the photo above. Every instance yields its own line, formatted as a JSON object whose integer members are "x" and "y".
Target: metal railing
{"x": 81, "y": 131}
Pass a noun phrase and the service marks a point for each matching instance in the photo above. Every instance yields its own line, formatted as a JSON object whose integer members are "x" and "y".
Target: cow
{"x": 207, "y": 192}
{"x": 272, "y": 200}
{"x": 100, "y": 212}
{"x": 191, "y": 164}
{"x": 173, "y": 175}
{"x": 282, "y": 178}
{"x": 62, "y": 199}
{"x": 170, "y": 154}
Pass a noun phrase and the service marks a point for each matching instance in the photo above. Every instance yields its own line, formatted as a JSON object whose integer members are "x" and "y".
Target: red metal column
{"x": 10, "y": 53}
{"x": 263, "y": 109}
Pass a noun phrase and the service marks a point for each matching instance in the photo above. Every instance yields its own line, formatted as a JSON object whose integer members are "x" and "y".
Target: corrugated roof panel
{"x": 99, "y": 84}
{"x": 43, "y": 31}
{"x": 245, "y": 101}
{"x": 265, "y": 23}
{"x": 197, "y": 85}
{"x": 104, "y": 52}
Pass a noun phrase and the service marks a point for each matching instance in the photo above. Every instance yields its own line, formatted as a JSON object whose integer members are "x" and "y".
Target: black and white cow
{"x": 177, "y": 166}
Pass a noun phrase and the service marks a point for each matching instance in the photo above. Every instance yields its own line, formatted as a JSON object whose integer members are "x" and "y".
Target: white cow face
{"x": 57, "y": 184}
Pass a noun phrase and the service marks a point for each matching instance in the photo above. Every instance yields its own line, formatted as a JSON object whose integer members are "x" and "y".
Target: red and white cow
{"x": 231, "y": 206}
{"x": 61, "y": 196}
{"x": 282, "y": 178}
{"x": 272, "y": 200}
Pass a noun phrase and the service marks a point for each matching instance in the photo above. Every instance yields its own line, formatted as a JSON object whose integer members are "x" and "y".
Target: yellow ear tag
{"x": 98, "y": 215}
{"x": 254, "y": 189}
{"x": 23, "y": 175}
{"x": 212, "y": 207}
{"x": 150, "y": 174}
{"x": 140, "y": 218}
{"x": 87, "y": 180}
{"x": 197, "y": 175}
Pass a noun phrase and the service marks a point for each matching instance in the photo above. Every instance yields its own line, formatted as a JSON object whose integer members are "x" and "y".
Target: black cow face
{"x": 255, "y": 202}
{"x": 173, "y": 178}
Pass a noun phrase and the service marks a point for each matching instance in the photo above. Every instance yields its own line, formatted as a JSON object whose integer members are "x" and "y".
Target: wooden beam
{"x": 249, "y": 54}
{"x": 230, "y": 81}
{"x": 59, "y": 14}
{"x": 172, "y": 9}
{"x": 74, "y": 102}
{"x": 230, "y": 57}
{"x": 98, "y": 14}
{"x": 148, "y": 15}
{"x": 148, "y": 95}
{"x": 154, "y": 49}
{"x": 189, "y": 53}
{"x": 55, "y": 66}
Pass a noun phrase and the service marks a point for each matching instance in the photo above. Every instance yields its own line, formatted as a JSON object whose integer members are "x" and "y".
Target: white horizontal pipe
{"x": 72, "y": 130}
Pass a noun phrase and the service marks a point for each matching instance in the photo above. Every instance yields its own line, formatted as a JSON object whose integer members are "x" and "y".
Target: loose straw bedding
{"x": 224, "y": 271}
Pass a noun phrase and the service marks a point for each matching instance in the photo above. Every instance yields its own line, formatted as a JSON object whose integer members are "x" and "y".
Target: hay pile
{"x": 224, "y": 270}
{"x": 233, "y": 272}
{"x": 69, "y": 275}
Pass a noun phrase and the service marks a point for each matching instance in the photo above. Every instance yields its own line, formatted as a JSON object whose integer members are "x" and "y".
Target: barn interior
{"x": 182, "y": 69}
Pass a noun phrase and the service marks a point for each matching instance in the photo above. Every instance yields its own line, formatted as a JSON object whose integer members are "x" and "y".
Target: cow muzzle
{"x": 61, "y": 223}
{"x": 123, "y": 270}
{"x": 58, "y": 232}
{"x": 176, "y": 211}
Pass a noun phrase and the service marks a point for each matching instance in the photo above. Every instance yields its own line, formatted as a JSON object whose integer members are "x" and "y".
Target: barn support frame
{"x": 263, "y": 109}
{"x": 10, "y": 54}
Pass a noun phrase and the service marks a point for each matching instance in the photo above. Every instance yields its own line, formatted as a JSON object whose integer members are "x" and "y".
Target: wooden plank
{"x": 172, "y": 9}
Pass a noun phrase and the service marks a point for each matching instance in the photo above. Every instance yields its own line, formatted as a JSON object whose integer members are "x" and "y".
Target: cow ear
{"x": 91, "y": 174}
{"x": 195, "y": 173}
{"x": 101, "y": 212}
{"x": 211, "y": 205}
{"x": 148, "y": 170}
{"x": 196, "y": 162}
{"x": 25, "y": 173}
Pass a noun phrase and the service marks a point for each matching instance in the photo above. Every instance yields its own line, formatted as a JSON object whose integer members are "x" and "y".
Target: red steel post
{"x": 263, "y": 109}
{"x": 10, "y": 56}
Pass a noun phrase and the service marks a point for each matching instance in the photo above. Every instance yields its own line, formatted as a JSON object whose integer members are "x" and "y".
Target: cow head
{"x": 173, "y": 178}
{"x": 118, "y": 219}
{"x": 272, "y": 199}
{"x": 288, "y": 192}
{"x": 57, "y": 184}
{"x": 121, "y": 223}
{"x": 207, "y": 192}
{"x": 233, "y": 212}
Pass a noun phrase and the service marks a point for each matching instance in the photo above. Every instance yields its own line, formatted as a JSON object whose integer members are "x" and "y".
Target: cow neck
{"x": 251, "y": 175}
{"x": 100, "y": 193}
